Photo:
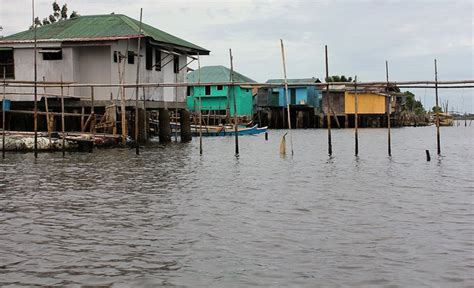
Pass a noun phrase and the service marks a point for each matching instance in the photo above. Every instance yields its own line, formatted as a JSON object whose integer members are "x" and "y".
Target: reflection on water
{"x": 172, "y": 217}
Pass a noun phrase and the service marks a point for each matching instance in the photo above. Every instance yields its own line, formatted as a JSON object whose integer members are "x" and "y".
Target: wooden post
{"x": 62, "y": 117}
{"x": 176, "y": 108}
{"x": 286, "y": 93}
{"x": 146, "y": 123}
{"x": 165, "y": 129}
{"x": 48, "y": 124}
{"x": 437, "y": 109}
{"x": 3, "y": 112}
{"x": 92, "y": 118}
{"x": 137, "y": 146}
{"x": 389, "y": 108}
{"x": 200, "y": 106}
{"x": 356, "y": 117}
{"x": 185, "y": 125}
{"x": 82, "y": 117}
{"x": 328, "y": 115}
{"x": 123, "y": 115}
{"x": 35, "y": 120}
{"x": 236, "y": 124}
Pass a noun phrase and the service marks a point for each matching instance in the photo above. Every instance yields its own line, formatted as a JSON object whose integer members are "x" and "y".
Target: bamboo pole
{"x": 35, "y": 120}
{"x": 328, "y": 115}
{"x": 404, "y": 84}
{"x": 82, "y": 117}
{"x": 176, "y": 109}
{"x": 3, "y": 113}
{"x": 356, "y": 117}
{"x": 145, "y": 136}
{"x": 47, "y": 114}
{"x": 123, "y": 112}
{"x": 286, "y": 94}
{"x": 389, "y": 108}
{"x": 62, "y": 119}
{"x": 200, "y": 106}
{"x": 92, "y": 116}
{"x": 236, "y": 121}
{"x": 437, "y": 109}
{"x": 137, "y": 146}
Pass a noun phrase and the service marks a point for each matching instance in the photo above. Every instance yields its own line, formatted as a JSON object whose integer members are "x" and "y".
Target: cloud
{"x": 361, "y": 34}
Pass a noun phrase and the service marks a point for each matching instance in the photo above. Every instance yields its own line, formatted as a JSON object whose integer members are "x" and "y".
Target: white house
{"x": 98, "y": 49}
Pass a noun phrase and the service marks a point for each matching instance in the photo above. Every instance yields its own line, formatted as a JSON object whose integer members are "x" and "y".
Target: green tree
{"x": 59, "y": 14}
{"x": 337, "y": 78}
{"x": 437, "y": 109}
{"x": 413, "y": 105}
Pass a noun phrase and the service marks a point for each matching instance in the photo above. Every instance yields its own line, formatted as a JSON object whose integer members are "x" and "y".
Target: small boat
{"x": 223, "y": 130}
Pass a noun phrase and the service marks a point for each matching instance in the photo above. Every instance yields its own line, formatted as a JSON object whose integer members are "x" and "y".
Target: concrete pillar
{"x": 185, "y": 123}
{"x": 142, "y": 131}
{"x": 165, "y": 129}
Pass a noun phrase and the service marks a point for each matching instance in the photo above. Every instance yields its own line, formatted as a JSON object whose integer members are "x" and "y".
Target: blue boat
{"x": 225, "y": 130}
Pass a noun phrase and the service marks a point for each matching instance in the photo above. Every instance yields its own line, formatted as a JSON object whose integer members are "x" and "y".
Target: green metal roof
{"x": 99, "y": 28}
{"x": 294, "y": 81}
{"x": 216, "y": 74}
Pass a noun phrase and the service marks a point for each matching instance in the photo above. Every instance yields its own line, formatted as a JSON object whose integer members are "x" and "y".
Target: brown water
{"x": 170, "y": 217}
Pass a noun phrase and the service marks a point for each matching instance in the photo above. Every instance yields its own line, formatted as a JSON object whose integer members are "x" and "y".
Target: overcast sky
{"x": 360, "y": 36}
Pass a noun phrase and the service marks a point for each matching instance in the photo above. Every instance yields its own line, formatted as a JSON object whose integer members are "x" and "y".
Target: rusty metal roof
{"x": 99, "y": 28}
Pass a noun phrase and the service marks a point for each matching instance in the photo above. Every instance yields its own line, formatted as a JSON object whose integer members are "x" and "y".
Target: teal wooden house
{"x": 218, "y": 97}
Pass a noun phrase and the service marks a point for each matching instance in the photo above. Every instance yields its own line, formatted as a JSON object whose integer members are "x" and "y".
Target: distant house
{"x": 218, "y": 98}
{"x": 301, "y": 95}
{"x": 99, "y": 49}
{"x": 340, "y": 102}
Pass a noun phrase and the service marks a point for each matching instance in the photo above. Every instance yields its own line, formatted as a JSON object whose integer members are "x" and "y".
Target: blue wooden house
{"x": 300, "y": 95}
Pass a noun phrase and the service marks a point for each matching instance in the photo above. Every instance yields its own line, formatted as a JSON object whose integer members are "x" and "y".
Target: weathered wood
{"x": 165, "y": 129}
{"x": 3, "y": 113}
{"x": 185, "y": 126}
{"x": 286, "y": 93}
{"x": 389, "y": 142}
{"x": 356, "y": 118}
{"x": 137, "y": 146}
{"x": 438, "y": 140}
{"x": 63, "y": 148}
{"x": 48, "y": 119}
{"x": 236, "y": 121}
{"x": 328, "y": 115}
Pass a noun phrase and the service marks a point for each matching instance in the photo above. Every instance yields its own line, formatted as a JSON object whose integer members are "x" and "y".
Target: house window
{"x": 131, "y": 57}
{"x": 207, "y": 90}
{"x": 176, "y": 64}
{"x": 6, "y": 63}
{"x": 157, "y": 60}
{"x": 115, "y": 57}
{"x": 220, "y": 88}
{"x": 51, "y": 54}
{"x": 188, "y": 91}
{"x": 149, "y": 57}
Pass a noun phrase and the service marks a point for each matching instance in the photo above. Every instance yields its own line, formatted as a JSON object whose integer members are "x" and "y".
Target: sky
{"x": 360, "y": 34}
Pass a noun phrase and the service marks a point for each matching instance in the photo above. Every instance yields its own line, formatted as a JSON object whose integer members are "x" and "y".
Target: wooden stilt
{"x": 287, "y": 96}
{"x": 3, "y": 112}
{"x": 35, "y": 120}
{"x": 438, "y": 140}
{"x": 48, "y": 119}
{"x": 356, "y": 117}
{"x": 236, "y": 123}
{"x": 328, "y": 112}
{"x": 200, "y": 106}
{"x": 137, "y": 145}
{"x": 63, "y": 148}
{"x": 388, "y": 113}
